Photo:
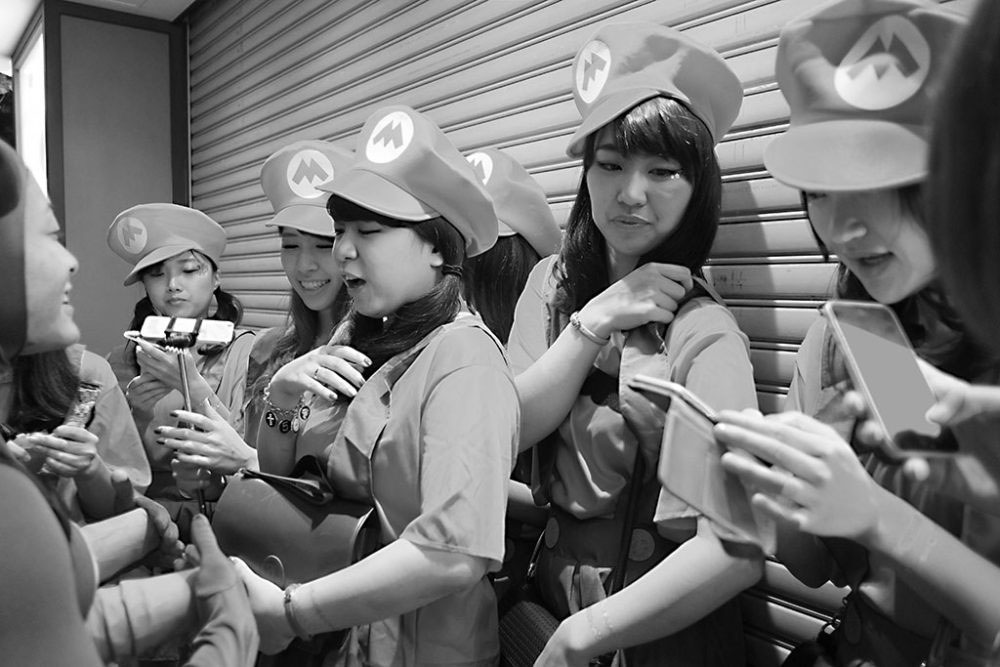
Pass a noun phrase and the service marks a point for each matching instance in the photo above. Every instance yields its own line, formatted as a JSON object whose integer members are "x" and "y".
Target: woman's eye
{"x": 369, "y": 231}
{"x": 288, "y": 246}
{"x": 666, "y": 173}
{"x": 609, "y": 166}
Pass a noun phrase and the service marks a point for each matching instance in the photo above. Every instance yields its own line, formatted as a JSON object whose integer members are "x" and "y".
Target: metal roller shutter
{"x": 496, "y": 73}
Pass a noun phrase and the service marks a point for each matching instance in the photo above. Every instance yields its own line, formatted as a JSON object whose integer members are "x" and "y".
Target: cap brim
{"x": 157, "y": 256}
{"x": 848, "y": 156}
{"x": 378, "y": 194}
{"x": 309, "y": 219}
{"x": 606, "y": 110}
{"x": 503, "y": 229}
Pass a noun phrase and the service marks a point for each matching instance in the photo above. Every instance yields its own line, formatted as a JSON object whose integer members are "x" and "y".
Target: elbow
{"x": 461, "y": 573}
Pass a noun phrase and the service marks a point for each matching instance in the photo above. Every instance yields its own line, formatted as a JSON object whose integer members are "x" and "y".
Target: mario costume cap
{"x": 148, "y": 234}
{"x": 291, "y": 177}
{"x": 625, "y": 64}
{"x": 860, "y": 78}
{"x": 520, "y": 202}
{"x": 405, "y": 168}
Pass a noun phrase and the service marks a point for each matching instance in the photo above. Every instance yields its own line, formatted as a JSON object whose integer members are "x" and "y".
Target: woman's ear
{"x": 436, "y": 259}
{"x": 216, "y": 280}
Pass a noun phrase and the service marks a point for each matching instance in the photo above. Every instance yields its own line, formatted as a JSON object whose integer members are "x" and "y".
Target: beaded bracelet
{"x": 286, "y": 419}
{"x": 575, "y": 322}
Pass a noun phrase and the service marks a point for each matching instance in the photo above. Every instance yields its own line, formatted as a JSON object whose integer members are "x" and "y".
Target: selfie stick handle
{"x": 186, "y": 393}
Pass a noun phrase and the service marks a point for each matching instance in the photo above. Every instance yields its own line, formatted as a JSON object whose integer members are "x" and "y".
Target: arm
{"x": 819, "y": 486}
{"x": 42, "y": 621}
{"x": 550, "y": 385}
{"x": 698, "y": 577}
{"x": 392, "y": 581}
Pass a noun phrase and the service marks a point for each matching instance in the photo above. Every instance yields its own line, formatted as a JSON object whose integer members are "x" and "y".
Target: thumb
{"x": 124, "y": 494}
{"x": 944, "y": 410}
{"x": 203, "y": 537}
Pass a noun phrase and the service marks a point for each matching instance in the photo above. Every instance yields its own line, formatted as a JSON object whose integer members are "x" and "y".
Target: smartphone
{"x": 674, "y": 390}
{"x": 883, "y": 367}
{"x": 185, "y": 331}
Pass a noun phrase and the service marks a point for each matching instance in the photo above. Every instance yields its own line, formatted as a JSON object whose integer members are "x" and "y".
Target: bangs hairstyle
{"x": 301, "y": 329}
{"x": 227, "y": 307}
{"x": 379, "y": 340}
{"x": 659, "y": 126}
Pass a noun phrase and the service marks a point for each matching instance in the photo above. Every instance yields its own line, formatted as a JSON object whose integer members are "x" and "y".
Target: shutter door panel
{"x": 497, "y": 73}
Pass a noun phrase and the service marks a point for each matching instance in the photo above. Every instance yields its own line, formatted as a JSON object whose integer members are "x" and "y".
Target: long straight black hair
{"x": 381, "y": 340}
{"x": 658, "y": 126}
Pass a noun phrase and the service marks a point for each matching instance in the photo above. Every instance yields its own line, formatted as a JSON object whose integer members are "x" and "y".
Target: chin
{"x": 58, "y": 339}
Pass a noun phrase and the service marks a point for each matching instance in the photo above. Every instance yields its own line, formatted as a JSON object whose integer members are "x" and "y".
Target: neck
{"x": 324, "y": 327}
{"x": 620, "y": 265}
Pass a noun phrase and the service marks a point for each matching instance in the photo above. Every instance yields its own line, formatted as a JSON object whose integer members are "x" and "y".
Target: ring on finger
{"x": 315, "y": 373}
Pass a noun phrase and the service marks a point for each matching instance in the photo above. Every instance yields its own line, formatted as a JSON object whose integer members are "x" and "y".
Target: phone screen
{"x": 884, "y": 368}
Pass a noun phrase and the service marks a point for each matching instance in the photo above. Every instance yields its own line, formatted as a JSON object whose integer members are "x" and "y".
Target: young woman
{"x": 47, "y": 570}
{"x": 430, "y": 435}
{"x": 174, "y": 251}
{"x": 864, "y": 202}
{"x": 318, "y": 303}
{"x": 624, "y": 296}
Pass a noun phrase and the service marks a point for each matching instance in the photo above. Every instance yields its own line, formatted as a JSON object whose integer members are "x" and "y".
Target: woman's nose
{"x": 343, "y": 248}
{"x": 633, "y": 189}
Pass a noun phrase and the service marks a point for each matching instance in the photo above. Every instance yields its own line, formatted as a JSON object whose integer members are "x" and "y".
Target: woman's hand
{"x": 144, "y": 392}
{"x": 817, "y": 483}
{"x": 564, "y": 648}
{"x": 268, "y": 604}
{"x": 70, "y": 451}
{"x": 325, "y": 371}
{"x": 957, "y": 400}
{"x": 648, "y": 294}
{"x": 211, "y": 442}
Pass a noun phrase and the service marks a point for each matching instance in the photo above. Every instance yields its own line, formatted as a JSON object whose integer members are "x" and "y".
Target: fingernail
{"x": 173, "y": 413}
{"x": 161, "y": 441}
{"x": 368, "y": 362}
{"x": 332, "y": 396}
{"x": 158, "y": 430}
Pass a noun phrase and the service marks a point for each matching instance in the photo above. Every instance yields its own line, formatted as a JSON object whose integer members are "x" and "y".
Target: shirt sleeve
{"x": 527, "y": 341}
{"x": 118, "y": 443}
{"x": 803, "y": 393}
{"x": 469, "y": 433}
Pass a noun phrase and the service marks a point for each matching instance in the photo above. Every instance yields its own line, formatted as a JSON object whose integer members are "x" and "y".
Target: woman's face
{"x": 384, "y": 267}
{"x": 637, "y": 200}
{"x": 879, "y": 240}
{"x": 312, "y": 270}
{"x": 181, "y": 286}
{"x": 48, "y": 267}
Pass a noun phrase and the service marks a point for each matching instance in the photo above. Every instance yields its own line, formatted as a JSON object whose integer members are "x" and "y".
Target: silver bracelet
{"x": 575, "y": 322}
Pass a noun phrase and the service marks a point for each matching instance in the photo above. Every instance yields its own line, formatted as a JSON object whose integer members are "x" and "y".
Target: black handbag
{"x": 527, "y": 624}
{"x": 293, "y": 529}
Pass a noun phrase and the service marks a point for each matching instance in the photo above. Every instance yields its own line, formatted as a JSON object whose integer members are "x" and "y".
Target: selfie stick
{"x": 181, "y": 341}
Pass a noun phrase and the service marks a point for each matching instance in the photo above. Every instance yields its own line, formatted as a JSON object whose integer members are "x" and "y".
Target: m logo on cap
{"x": 885, "y": 67}
{"x": 306, "y": 171}
{"x": 592, "y": 69}
{"x": 132, "y": 235}
{"x": 389, "y": 137}
{"x": 482, "y": 164}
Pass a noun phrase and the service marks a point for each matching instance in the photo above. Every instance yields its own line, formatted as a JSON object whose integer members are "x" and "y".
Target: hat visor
{"x": 309, "y": 219}
{"x": 503, "y": 229}
{"x": 380, "y": 195}
{"x": 605, "y": 111}
{"x": 848, "y": 156}
{"x": 157, "y": 256}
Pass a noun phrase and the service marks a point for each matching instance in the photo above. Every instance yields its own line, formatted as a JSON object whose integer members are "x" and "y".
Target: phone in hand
{"x": 883, "y": 367}
{"x": 184, "y": 331}
{"x": 673, "y": 390}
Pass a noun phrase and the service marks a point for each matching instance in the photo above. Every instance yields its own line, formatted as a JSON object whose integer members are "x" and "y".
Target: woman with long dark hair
{"x": 318, "y": 301}
{"x": 51, "y": 611}
{"x": 174, "y": 252}
{"x": 428, "y": 437}
{"x": 625, "y": 296}
{"x": 858, "y": 148}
